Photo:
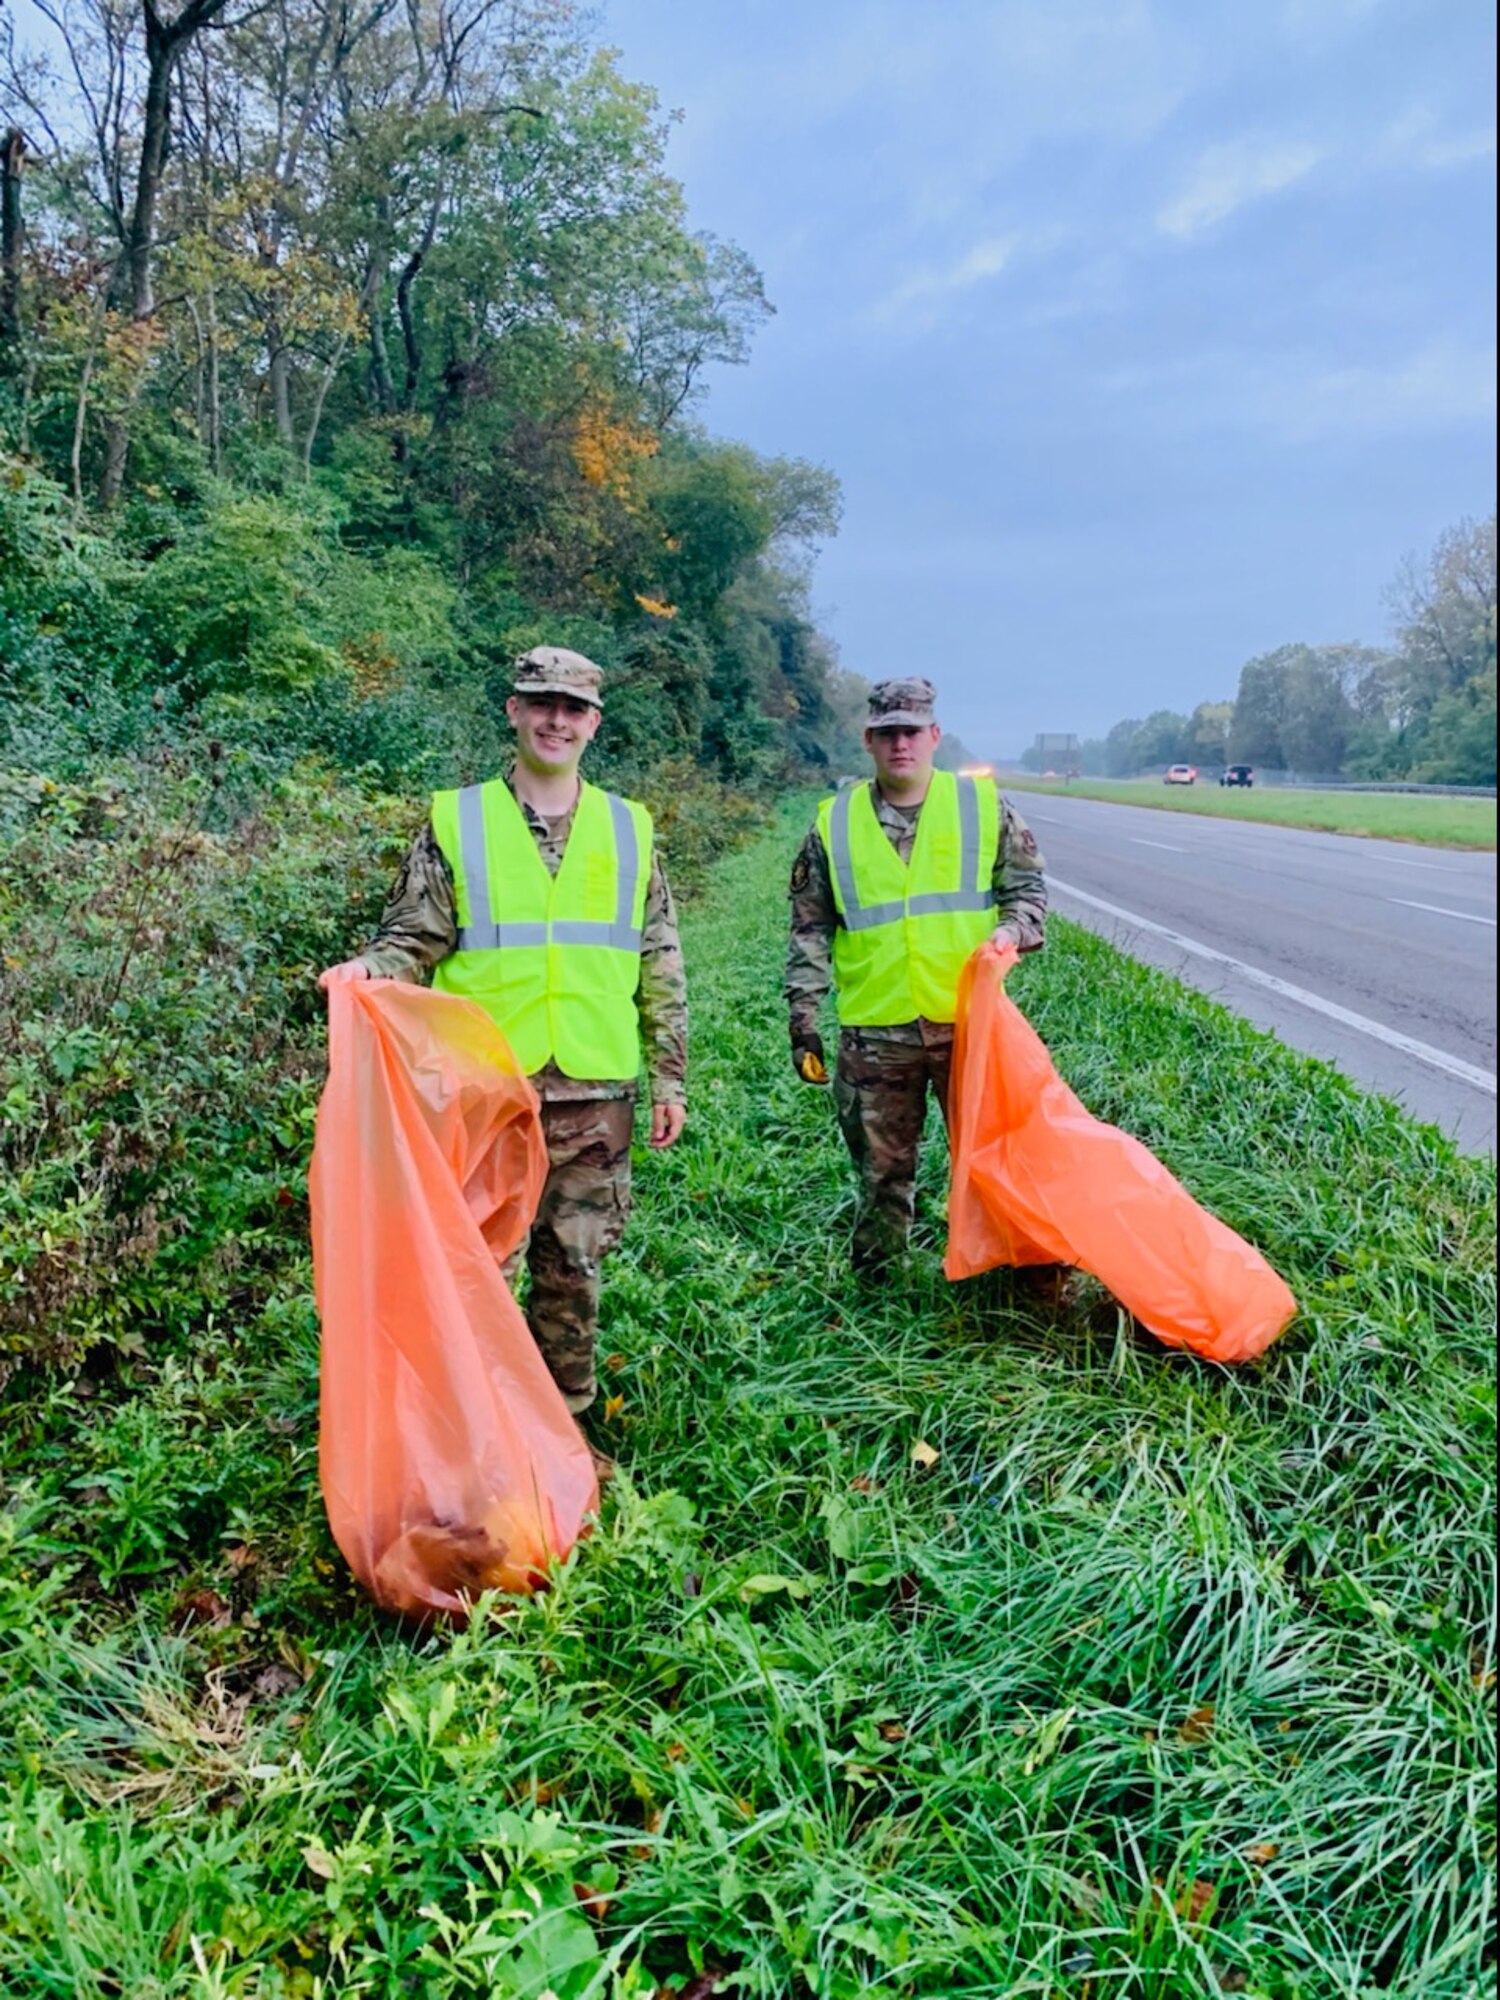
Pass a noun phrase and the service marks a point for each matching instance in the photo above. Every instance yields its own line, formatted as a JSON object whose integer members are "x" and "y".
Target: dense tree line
{"x": 1422, "y": 710}
{"x": 347, "y": 348}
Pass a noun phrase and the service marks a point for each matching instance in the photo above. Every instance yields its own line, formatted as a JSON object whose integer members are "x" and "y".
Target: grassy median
{"x": 1430, "y": 822}
{"x": 1143, "y": 1678}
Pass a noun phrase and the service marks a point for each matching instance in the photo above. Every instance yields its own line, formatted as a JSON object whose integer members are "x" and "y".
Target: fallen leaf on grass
{"x": 1263, "y": 1851}
{"x": 536, "y": 1792}
{"x": 893, "y": 1732}
{"x": 320, "y": 1862}
{"x": 614, "y": 1363}
{"x": 1198, "y": 1727}
{"x": 908, "y": 1594}
{"x": 203, "y": 1607}
{"x": 1196, "y": 1899}
{"x": 702, "y": 1986}
{"x": 923, "y": 1455}
{"x": 273, "y": 1681}
{"x": 593, "y": 1902}
{"x": 863, "y": 1485}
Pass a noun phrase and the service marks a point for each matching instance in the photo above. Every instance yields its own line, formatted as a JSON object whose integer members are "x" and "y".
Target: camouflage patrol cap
{"x": 554, "y": 670}
{"x": 904, "y": 704}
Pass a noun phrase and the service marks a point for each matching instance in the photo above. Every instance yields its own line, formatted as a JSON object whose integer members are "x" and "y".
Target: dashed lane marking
{"x": 1438, "y": 910}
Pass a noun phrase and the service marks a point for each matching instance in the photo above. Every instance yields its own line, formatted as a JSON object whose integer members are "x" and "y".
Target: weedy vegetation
{"x": 1413, "y": 816}
{"x": 930, "y": 1643}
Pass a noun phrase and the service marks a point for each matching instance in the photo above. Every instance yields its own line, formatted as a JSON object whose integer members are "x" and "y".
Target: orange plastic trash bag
{"x": 449, "y": 1462}
{"x": 1038, "y": 1180}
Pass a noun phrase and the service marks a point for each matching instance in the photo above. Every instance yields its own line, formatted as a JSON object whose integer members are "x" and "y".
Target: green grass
{"x": 1431, "y": 822}
{"x": 1162, "y": 1681}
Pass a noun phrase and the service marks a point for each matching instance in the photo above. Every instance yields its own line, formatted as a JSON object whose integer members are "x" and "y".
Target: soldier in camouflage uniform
{"x": 883, "y": 1074}
{"x": 587, "y": 1124}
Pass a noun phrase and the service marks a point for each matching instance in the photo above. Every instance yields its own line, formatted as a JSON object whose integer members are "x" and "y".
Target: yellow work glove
{"x": 807, "y": 1058}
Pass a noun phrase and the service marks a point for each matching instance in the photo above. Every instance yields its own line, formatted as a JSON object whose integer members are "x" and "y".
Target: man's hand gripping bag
{"x": 449, "y": 1462}
{"x": 1038, "y": 1180}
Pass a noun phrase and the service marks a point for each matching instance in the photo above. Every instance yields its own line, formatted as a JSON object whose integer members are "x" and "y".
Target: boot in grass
{"x": 1050, "y": 1288}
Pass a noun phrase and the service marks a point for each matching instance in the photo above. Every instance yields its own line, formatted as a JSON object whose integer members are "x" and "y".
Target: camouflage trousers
{"x": 585, "y": 1200}
{"x": 880, "y": 1091}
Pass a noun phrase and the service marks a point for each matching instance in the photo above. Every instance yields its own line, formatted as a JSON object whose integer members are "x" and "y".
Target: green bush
{"x": 232, "y": 604}
{"x": 696, "y": 820}
{"x": 164, "y": 1037}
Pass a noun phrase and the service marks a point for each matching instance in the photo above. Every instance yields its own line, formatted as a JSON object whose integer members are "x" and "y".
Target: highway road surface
{"x": 1376, "y": 955}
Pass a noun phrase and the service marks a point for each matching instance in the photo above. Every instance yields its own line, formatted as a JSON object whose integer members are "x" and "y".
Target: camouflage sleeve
{"x": 1020, "y": 882}
{"x": 809, "y": 956}
{"x": 661, "y": 998}
{"x": 420, "y": 924}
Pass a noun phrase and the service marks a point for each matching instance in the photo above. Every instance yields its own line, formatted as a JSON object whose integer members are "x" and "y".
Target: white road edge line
{"x": 1438, "y": 910}
{"x": 1470, "y": 1073}
{"x": 1166, "y": 848}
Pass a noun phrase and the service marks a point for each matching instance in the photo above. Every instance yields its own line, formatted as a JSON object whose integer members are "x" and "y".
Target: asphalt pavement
{"x": 1376, "y": 955}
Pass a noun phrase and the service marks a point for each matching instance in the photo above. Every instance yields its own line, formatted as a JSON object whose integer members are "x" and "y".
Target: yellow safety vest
{"x": 907, "y": 927}
{"x": 553, "y": 960}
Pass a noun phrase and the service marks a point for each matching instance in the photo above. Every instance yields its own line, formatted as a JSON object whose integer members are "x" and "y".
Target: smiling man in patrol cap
{"x": 897, "y": 882}
{"x": 542, "y": 898}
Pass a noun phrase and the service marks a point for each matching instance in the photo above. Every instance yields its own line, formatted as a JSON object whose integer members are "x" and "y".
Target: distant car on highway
{"x": 1181, "y": 774}
{"x": 1237, "y": 774}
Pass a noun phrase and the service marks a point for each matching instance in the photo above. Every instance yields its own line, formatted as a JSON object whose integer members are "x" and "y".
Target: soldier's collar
{"x": 538, "y": 822}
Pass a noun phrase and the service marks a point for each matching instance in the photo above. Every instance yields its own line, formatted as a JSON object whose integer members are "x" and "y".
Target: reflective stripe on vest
{"x": 905, "y": 928}
{"x": 486, "y": 935}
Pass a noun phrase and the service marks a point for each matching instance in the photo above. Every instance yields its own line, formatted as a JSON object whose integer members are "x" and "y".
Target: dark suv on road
{"x": 1237, "y": 774}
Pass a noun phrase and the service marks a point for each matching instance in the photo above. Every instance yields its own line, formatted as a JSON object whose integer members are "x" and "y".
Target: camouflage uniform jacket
{"x": 1020, "y": 910}
{"x": 420, "y": 927}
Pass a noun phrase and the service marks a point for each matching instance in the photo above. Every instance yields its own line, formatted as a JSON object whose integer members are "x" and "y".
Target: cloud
{"x": 1231, "y": 176}
{"x": 1442, "y": 386}
{"x": 1445, "y": 385}
{"x": 1421, "y": 138}
{"x": 925, "y": 288}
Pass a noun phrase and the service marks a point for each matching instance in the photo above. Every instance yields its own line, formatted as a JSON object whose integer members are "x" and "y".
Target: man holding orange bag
{"x": 542, "y": 899}
{"x": 896, "y": 884}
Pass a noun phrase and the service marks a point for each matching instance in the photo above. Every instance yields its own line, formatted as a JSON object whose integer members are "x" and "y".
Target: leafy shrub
{"x": 231, "y": 605}
{"x": 163, "y": 1037}
{"x": 697, "y": 820}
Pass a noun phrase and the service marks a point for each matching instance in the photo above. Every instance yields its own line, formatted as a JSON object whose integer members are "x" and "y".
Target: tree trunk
{"x": 318, "y": 401}
{"x": 408, "y": 320}
{"x": 215, "y": 417}
{"x": 281, "y": 385}
{"x": 165, "y": 42}
{"x": 382, "y": 387}
{"x": 200, "y": 370}
{"x": 161, "y": 51}
{"x": 12, "y": 159}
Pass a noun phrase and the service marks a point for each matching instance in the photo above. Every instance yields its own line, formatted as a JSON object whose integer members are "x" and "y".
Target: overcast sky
{"x": 1143, "y": 337}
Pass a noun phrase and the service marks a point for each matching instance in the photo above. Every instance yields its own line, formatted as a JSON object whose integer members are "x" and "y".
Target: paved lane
{"x": 1373, "y": 954}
